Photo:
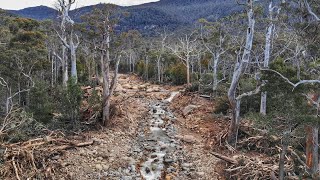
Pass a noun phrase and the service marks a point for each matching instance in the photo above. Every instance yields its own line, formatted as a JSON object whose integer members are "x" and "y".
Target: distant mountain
{"x": 38, "y": 12}
{"x": 145, "y": 17}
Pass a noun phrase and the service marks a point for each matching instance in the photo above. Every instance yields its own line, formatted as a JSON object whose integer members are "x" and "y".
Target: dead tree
{"x": 184, "y": 50}
{"x": 267, "y": 50}
{"x": 162, "y": 41}
{"x": 64, "y": 9}
{"x": 216, "y": 49}
{"x": 238, "y": 71}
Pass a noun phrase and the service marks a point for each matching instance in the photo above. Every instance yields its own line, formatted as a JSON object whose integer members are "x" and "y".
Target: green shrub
{"x": 41, "y": 102}
{"x": 221, "y": 105}
{"x": 68, "y": 100}
{"x": 178, "y": 74}
{"x": 193, "y": 88}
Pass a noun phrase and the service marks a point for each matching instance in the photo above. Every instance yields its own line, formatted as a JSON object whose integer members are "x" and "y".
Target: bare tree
{"x": 238, "y": 70}
{"x": 64, "y": 9}
{"x": 162, "y": 44}
{"x": 215, "y": 48}
{"x": 267, "y": 51}
{"x": 184, "y": 50}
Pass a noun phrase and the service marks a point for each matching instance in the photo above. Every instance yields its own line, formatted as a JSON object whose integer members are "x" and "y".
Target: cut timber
{"x": 225, "y": 158}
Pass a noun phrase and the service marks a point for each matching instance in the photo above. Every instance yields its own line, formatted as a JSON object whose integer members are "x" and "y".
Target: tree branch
{"x": 295, "y": 85}
{"x": 310, "y": 10}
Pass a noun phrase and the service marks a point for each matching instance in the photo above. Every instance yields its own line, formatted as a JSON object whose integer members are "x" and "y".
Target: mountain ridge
{"x": 169, "y": 13}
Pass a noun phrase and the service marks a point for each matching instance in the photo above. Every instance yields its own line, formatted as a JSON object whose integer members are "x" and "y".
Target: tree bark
{"x": 263, "y": 105}
{"x": 188, "y": 71}
{"x": 239, "y": 68}
{"x": 312, "y": 149}
{"x": 215, "y": 72}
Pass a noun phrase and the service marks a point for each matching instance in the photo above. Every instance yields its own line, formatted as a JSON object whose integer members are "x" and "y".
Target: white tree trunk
{"x": 65, "y": 75}
{"x": 159, "y": 68}
{"x": 188, "y": 71}
{"x": 239, "y": 68}
{"x": 215, "y": 72}
{"x": 74, "y": 73}
{"x": 263, "y": 105}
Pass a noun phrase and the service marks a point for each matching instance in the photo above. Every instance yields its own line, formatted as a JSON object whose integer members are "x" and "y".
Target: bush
{"x": 178, "y": 74}
{"x": 222, "y": 105}
{"x": 68, "y": 101}
{"x": 41, "y": 102}
{"x": 193, "y": 88}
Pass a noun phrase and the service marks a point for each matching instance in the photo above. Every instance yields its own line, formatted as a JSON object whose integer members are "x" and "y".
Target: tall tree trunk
{"x": 239, "y": 68}
{"x": 285, "y": 143}
{"x": 106, "y": 93}
{"x": 263, "y": 105}
{"x": 74, "y": 73}
{"x": 159, "y": 68}
{"x": 188, "y": 71}
{"x": 65, "y": 76}
{"x": 312, "y": 149}
{"x": 215, "y": 73}
{"x": 235, "y": 122}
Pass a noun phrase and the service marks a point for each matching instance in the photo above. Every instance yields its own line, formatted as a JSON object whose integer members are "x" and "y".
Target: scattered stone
{"x": 187, "y": 165}
{"x": 99, "y": 167}
{"x": 188, "y": 109}
{"x": 187, "y": 138}
{"x": 55, "y": 157}
{"x": 200, "y": 173}
{"x": 105, "y": 167}
{"x": 168, "y": 160}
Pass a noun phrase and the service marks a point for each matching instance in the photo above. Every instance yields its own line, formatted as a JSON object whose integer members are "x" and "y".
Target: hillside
{"x": 168, "y": 13}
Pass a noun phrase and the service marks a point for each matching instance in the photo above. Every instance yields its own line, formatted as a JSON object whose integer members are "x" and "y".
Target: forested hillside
{"x": 171, "y": 14}
{"x": 175, "y": 89}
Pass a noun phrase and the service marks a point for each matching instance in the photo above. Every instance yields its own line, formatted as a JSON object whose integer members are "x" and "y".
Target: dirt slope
{"x": 150, "y": 138}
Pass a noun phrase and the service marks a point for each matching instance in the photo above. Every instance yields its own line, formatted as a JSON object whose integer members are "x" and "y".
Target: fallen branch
{"x": 225, "y": 158}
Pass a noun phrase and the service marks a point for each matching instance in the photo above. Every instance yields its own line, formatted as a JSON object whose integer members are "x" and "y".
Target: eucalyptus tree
{"x": 214, "y": 39}
{"x": 100, "y": 26}
{"x": 185, "y": 48}
{"x": 239, "y": 68}
{"x": 64, "y": 7}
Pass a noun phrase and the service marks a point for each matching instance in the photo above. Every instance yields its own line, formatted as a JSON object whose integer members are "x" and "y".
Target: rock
{"x": 200, "y": 173}
{"x": 168, "y": 160}
{"x": 187, "y": 165}
{"x": 172, "y": 96}
{"x": 55, "y": 157}
{"x": 99, "y": 167}
{"x": 187, "y": 138}
{"x": 188, "y": 109}
{"x": 111, "y": 160}
{"x": 169, "y": 177}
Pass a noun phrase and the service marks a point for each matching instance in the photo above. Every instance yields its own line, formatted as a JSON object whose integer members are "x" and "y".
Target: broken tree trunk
{"x": 239, "y": 68}
{"x": 312, "y": 149}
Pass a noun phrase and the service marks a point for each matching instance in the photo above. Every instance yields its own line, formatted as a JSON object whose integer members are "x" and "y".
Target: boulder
{"x": 188, "y": 109}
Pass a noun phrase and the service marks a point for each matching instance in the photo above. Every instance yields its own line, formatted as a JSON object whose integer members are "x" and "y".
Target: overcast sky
{"x": 20, "y": 4}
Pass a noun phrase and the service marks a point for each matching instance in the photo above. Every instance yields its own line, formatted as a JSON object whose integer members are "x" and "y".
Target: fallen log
{"x": 225, "y": 158}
